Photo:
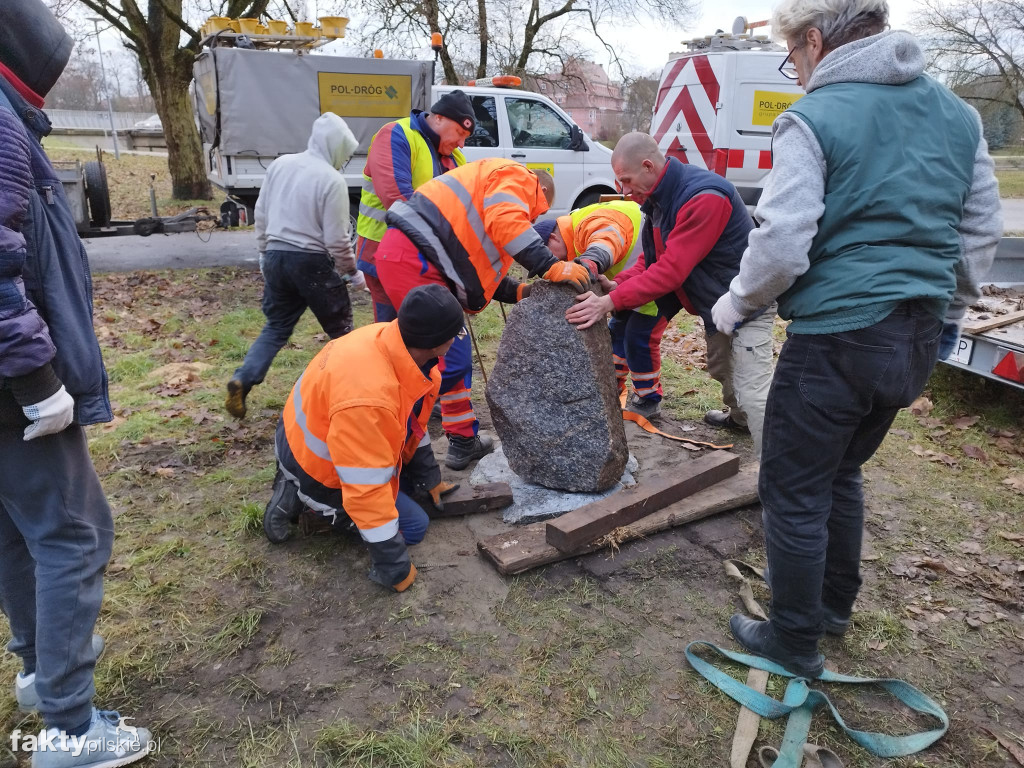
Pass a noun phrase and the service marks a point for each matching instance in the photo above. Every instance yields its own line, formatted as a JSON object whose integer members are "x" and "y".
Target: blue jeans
{"x": 412, "y": 520}
{"x": 293, "y": 281}
{"x": 56, "y": 535}
{"x": 831, "y": 403}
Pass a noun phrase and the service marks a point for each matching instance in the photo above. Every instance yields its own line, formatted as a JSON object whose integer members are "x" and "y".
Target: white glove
{"x": 357, "y": 281}
{"x": 726, "y": 318}
{"x": 49, "y": 416}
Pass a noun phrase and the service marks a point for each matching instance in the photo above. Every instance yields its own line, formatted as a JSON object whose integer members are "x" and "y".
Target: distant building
{"x": 583, "y": 89}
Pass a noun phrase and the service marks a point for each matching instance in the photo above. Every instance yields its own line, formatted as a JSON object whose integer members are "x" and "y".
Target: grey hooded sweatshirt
{"x": 303, "y": 203}
{"x": 793, "y": 198}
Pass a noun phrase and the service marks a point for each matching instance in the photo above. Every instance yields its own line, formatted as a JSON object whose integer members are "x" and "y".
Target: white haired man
{"x": 879, "y": 216}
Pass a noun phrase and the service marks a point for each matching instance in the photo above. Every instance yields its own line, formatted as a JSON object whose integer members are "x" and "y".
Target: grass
{"x": 1011, "y": 183}
{"x": 128, "y": 180}
{"x": 239, "y": 653}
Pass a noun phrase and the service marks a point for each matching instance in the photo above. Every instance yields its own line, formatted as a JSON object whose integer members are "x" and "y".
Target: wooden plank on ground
{"x": 471, "y": 499}
{"x": 994, "y": 322}
{"x": 525, "y": 547}
{"x": 592, "y": 521}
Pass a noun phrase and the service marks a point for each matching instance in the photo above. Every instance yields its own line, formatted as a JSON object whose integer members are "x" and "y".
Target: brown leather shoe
{"x": 724, "y": 419}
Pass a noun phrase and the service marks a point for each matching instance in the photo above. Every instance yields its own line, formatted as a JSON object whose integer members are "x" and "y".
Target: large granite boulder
{"x": 553, "y": 398}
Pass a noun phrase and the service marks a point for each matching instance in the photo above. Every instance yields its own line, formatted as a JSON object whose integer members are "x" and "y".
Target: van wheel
{"x": 591, "y": 196}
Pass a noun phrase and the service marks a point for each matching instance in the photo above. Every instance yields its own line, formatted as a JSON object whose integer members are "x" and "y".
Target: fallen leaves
{"x": 944, "y": 458}
{"x": 922, "y": 406}
{"x": 1007, "y": 743}
{"x": 1015, "y": 483}
{"x": 965, "y": 422}
{"x": 974, "y": 452}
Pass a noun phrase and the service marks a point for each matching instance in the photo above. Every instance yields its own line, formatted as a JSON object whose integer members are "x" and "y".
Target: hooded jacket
{"x": 46, "y": 333}
{"x": 303, "y": 203}
{"x": 786, "y": 257}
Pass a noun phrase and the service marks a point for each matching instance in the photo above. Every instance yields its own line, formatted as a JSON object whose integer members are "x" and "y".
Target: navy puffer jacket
{"x": 45, "y": 283}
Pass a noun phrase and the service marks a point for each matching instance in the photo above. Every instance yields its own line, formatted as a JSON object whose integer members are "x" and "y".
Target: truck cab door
{"x": 541, "y": 138}
{"x": 485, "y": 141}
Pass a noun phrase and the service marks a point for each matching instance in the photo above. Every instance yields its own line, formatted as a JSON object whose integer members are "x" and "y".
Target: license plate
{"x": 962, "y": 351}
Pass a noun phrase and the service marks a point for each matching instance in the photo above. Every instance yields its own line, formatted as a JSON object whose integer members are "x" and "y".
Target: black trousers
{"x": 832, "y": 401}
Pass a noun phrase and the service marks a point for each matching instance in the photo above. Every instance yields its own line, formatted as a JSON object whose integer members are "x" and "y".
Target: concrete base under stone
{"x": 535, "y": 502}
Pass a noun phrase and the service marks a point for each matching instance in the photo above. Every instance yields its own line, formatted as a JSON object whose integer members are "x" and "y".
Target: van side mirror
{"x": 576, "y": 141}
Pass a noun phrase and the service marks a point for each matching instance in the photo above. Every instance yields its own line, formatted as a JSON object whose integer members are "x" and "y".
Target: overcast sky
{"x": 649, "y": 46}
{"x": 644, "y": 48}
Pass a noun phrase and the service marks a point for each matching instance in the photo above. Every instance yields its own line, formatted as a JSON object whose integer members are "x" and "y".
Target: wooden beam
{"x": 525, "y": 547}
{"x": 471, "y": 499}
{"x": 592, "y": 521}
{"x": 995, "y": 322}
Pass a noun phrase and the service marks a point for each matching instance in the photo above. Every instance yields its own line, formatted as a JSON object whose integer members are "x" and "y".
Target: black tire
{"x": 97, "y": 193}
{"x": 590, "y": 197}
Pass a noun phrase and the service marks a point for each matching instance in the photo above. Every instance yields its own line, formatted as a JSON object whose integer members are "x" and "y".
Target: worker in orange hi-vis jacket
{"x": 605, "y": 238}
{"x": 352, "y": 441}
{"x": 464, "y": 230}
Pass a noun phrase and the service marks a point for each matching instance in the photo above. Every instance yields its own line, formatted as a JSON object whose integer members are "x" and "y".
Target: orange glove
{"x": 405, "y": 583}
{"x": 442, "y": 489}
{"x": 522, "y": 291}
{"x": 569, "y": 272}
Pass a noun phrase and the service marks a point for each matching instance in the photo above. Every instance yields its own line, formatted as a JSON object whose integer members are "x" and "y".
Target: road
{"x": 238, "y": 249}
{"x": 1013, "y": 215}
{"x": 180, "y": 251}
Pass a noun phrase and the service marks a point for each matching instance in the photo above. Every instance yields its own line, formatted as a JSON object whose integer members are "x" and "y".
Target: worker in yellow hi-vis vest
{"x": 605, "y": 237}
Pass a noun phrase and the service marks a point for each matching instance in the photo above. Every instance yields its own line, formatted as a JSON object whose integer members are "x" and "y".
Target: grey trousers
{"x": 742, "y": 364}
{"x": 56, "y": 535}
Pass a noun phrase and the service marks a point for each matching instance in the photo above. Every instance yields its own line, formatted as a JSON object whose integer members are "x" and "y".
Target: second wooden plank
{"x": 589, "y": 523}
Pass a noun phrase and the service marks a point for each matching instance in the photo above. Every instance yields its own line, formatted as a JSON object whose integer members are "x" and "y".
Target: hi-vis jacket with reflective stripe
{"x": 473, "y": 222}
{"x": 400, "y": 159}
{"x": 349, "y": 423}
{"x": 609, "y": 234}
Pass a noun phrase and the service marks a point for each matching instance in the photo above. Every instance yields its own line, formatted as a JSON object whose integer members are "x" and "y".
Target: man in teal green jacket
{"x": 879, "y": 216}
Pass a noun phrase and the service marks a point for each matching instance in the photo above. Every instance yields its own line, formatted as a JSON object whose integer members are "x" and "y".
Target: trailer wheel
{"x": 97, "y": 193}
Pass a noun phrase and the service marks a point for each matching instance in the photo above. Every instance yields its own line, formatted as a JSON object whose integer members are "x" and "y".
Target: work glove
{"x": 571, "y": 273}
{"x": 523, "y": 291}
{"x": 356, "y": 280}
{"x": 49, "y": 416}
{"x": 441, "y": 490}
{"x": 947, "y": 340}
{"x": 590, "y": 265}
{"x": 725, "y": 316}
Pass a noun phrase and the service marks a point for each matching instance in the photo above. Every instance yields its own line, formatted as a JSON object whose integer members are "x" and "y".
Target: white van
{"x": 716, "y": 105}
{"x": 254, "y": 105}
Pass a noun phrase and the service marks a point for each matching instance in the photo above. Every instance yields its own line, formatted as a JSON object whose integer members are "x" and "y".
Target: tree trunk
{"x": 184, "y": 150}
{"x": 481, "y": 67}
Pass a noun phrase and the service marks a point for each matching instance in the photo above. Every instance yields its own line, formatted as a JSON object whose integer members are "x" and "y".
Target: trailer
{"x": 992, "y": 340}
{"x": 85, "y": 187}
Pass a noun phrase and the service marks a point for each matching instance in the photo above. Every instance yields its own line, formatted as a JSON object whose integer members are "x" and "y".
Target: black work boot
{"x": 759, "y": 638}
{"x": 724, "y": 420}
{"x": 237, "y": 392}
{"x": 835, "y": 622}
{"x": 463, "y": 450}
{"x": 283, "y": 510}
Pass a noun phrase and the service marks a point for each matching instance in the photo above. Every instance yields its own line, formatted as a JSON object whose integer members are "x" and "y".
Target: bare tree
{"x": 509, "y": 35}
{"x": 641, "y": 93}
{"x": 166, "y": 44}
{"x": 976, "y": 41}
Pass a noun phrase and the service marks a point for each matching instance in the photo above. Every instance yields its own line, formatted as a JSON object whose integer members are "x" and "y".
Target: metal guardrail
{"x": 93, "y": 120}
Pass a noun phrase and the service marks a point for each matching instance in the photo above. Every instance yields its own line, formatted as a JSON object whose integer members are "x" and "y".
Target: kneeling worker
{"x": 356, "y": 421}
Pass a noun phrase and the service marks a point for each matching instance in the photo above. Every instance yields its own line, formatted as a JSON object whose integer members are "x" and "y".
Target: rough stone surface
{"x": 553, "y": 399}
{"x": 532, "y": 502}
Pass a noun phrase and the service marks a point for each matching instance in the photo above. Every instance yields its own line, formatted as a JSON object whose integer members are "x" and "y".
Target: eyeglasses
{"x": 787, "y": 68}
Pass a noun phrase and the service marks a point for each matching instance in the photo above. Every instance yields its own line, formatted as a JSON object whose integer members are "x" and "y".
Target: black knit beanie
{"x": 456, "y": 106}
{"x": 429, "y": 316}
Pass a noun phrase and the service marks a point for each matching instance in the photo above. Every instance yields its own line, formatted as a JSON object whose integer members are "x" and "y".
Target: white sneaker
{"x": 25, "y": 685}
{"x": 109, "y": 743}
